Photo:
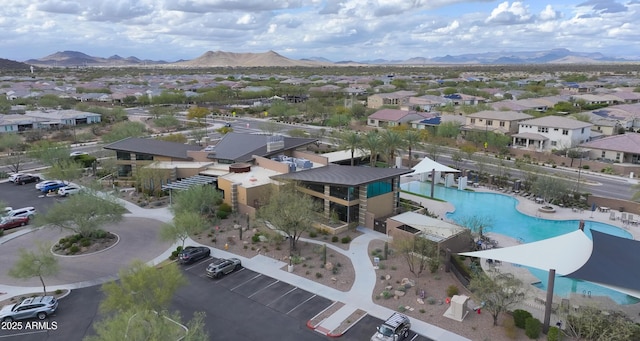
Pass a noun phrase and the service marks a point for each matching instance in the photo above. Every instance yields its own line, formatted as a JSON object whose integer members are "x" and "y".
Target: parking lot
{"x": 18, "y": 196}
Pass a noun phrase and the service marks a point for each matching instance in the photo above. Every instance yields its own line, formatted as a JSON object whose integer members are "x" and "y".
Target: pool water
{"x": 506, "y": 220}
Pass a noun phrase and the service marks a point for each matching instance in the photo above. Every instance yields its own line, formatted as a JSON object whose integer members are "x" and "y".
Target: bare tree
{"x": 499, "y": 292}
{"x": 419, "y": 253}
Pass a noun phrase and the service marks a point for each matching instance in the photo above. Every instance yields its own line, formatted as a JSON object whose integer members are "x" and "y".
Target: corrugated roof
{"x": 153, "y": 147}
{"x": 343, "y": 175}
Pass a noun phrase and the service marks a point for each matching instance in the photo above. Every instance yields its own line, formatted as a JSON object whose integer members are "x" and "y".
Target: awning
{"x": 428, "y": 165}
{"x": 189, "y": 182}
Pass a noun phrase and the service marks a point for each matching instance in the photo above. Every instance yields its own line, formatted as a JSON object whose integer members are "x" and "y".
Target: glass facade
{"x": 342, "y": 192}
{"x": 314, "y": 187}
{"x": 124, "y": 171}
{"x": 144, "y": 157}
{"x": 123, "y": 155}
{"x": 379, "y": 188}
{"x": 346, "y": 213}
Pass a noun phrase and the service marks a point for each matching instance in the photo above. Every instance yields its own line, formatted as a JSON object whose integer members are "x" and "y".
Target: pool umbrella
{"x": 593, "y": 208}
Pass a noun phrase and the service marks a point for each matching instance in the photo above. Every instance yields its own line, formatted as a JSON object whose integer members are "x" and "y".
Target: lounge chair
{"x": 631, "y": 220}
{"x": 612, "y": 216}
{"x": 623, "y": 218}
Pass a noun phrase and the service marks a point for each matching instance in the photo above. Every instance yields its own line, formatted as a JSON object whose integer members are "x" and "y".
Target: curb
{"x": 347, "y": 329}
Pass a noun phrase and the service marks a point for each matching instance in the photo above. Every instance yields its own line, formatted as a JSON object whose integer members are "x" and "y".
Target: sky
{"x": 337, "y": 30}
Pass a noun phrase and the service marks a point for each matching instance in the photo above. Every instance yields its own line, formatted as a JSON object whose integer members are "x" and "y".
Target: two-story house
{"x": 551, "y": 132}
{"x": 395, "y": 117}
{"x": 504, "y": 122}
{"x": 398, "y": 98}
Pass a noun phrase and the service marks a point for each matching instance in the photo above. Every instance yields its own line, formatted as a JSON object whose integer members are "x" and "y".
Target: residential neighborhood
{"x": 263, "y": 172}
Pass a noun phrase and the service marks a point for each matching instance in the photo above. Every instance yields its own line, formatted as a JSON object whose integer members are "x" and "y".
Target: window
{"x": 543, "y": 129}
{"x": 502, "y": 123}
{"x": 489, "y": 122}
{"x": 565, "y": 132}
{"x": 582, "y": 130}
{"x": 554, "y": 143}
{"x": 603, "y": 154}
{"x": 314, "y": 187}
{"x": 617, "y": 156}
{"x": 379, "y": 188}
{"x": 555, "y": 129}
{"x": 473, "y": 121}
{"x": 123, "y": 155}
{"x": 144, "y": 157}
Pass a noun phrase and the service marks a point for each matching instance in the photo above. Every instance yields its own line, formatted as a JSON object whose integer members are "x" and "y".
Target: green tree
{"x": 150, "y": 180}
{"x": 198, "y": 113}
{"x": 200, "y": 199}
{"x": 148, "y": 325}
{"x": 477, "y": 225}
{"x": 290, "y": 211}
{"x": 499, "y": 292}
{"x": 9, "y": 142}
{"x": 178, "y": 138}
{"x": 142, "y": 288}
{"x": 393, "y": 143}
{"x": 448, "y": 129}
{"x": 65, "y": 169}
{"x": 270, "y": 127}
{"x": 183, "y": 225}
{"x": 589, "y": 323}
{"x": 83, "y": 213}
{"x": 412, "y": 140}
{"x": 550, "y": 188}
{"x": 372, "y": 144}
{"x": 122, "y": 130}
{"x": 198, "y": 135}
{"x": 418, "y": 252}
{"x": 49, "y": 152}
{"x": 351, "y": 141}
{"x": 39, "y": 263}
{"x": 167, "y": 122}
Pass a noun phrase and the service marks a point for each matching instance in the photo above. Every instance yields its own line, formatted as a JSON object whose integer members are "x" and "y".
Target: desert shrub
{"x": 431, "y": 300}
{"x": 85, "y": 242}
{"x": 174, "y": 255}
{"x": 553, "y": 334}
{"x": 335, "y": 239}
{"x": 225, "y": 207}
{"x": 222, "y": 214}
{"x": 318, "y": 275}
{"x": 520, "y": 316}
{"x": 386, "y": 294}
{"x": 179, "y": 248}
{"x": 74, "y": 249}
{"x": 452, "y": 290}
{"x": 58, "y": 291}
{"x": 532, "y": 327}
{"x": 313, "y": 234}
{"x": 346, "y": 240}
{"x": 256, "y": 237}
{"x": 100, "y": 234}
{"x": 402, "y": 308}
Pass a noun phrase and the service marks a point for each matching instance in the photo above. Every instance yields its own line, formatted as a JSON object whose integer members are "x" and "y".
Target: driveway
{"x": 138, "y": 240}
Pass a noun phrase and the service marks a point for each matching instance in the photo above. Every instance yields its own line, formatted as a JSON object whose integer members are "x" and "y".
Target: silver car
{"x": 222, "y": 267}
{"x": 39, "y": 306}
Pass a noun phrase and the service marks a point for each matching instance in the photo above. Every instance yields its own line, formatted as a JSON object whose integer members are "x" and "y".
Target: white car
{"x": 73, "y": 154}
{"x": 13, "y": 177}
{"x": 67, "y": 190}
{"x": 209, "y": 148}
{"x": 46, "y": 183}
{"x": 22, "y": 212}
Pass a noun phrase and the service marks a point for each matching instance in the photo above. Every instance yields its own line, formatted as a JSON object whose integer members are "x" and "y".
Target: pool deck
{"x": 529, "y": 207}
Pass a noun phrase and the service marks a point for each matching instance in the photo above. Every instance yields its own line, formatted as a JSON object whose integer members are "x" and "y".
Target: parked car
{"x": 74, "y": 154}
{"x": 39, "y": 307}
{"x": 13, "y": 222}
{"x": 51, "y": 187}
{"x": 26, "y": 179}
{"x": 41, "y": 184}
{"x": 223, "y": 267}
{"x": 28, "y": 212}
{"x": 69, "y": 189}
{"x": 14, "y": 176}
{"x": 191, "y": 254}
{"x": 396, "y": 327}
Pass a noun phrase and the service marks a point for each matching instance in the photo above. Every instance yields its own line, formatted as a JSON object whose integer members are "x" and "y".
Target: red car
{"x": 12, "y": 222}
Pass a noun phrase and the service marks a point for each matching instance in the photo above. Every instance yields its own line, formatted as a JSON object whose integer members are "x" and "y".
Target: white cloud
{"x": 335, "y": 29}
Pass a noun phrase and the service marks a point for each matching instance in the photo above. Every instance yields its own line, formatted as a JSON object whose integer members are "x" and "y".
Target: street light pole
{"x": 579, "y": 170}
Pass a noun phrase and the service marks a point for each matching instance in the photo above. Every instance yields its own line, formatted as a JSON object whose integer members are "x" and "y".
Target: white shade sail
{"x": 428, "y": 165}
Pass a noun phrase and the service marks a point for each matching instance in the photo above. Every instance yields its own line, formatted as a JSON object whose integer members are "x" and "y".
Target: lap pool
{"x": 506, "y": 220}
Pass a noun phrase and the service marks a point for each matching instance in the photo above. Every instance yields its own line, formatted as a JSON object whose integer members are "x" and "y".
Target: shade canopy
{"x": 428, "y": 165}
{"x": 607, "y": 260}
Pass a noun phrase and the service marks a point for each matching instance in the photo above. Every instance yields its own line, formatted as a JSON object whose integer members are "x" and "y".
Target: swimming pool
{"x": 506, "y": 220}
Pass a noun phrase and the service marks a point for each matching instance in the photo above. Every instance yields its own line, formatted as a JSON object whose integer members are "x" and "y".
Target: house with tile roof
{"x": 551, "y": 132}
{"x": 398, "y": 98}
{"x": 502, "y": 122}
{"x": 384, "y": 118}
{"x": 623, "y": 148}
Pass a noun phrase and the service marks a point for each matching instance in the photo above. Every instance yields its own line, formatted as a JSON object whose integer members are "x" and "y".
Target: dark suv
{"x": 26, "y": 179}
{"x": 191, "y": 254}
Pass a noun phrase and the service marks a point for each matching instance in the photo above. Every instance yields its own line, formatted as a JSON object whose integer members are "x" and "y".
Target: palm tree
{"x": 350, "y": 140}
{"x": 372, "y": 143}
{"x": 391, "y": 143}
{"x": 412, "y": 139}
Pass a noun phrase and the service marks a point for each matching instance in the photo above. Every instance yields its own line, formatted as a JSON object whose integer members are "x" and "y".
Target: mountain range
{"x": 273, "y": 59}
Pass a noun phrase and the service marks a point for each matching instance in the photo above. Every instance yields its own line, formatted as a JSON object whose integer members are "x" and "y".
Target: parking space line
{"x": 263, "y": 288}
{"x": 303, "y": 302}
{"x": 281, "y": 296}
{"x": 245, "y": 282}
{"x": 414, "y": 337}
{"x": 22, "y": 334}
{"x": 198, "y": 263}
